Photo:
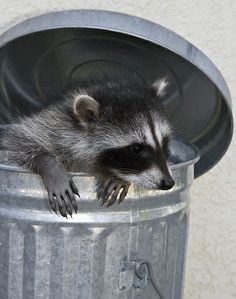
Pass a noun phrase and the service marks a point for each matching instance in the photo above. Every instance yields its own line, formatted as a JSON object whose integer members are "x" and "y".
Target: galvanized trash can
{"x": 128, "y": 250}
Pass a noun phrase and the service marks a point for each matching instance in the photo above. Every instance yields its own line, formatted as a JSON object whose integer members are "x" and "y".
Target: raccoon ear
{"x": 159, "y": 86}
{"x": 86, "y": 109}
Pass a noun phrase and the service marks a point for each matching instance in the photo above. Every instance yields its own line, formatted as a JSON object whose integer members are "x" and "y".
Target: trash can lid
{"x": 40, "y": 54}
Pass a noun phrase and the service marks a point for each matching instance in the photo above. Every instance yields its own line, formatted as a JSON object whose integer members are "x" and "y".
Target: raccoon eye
{"x": 137, "y": 148}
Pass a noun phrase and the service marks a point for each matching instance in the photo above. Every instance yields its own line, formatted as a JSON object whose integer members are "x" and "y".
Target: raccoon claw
{"x": 123, "y": 194}
{"x": 112, "y": 190}
{"x": 62, "y": 204}
{"x": 74, "y": 188}
{"x": 59, "y": 185}
{"x": 63, "y": 198}
{"x": 53, "y": 202}
{"x": 113, "y": 197}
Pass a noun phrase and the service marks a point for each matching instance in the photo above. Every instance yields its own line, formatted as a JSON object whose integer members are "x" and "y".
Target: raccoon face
{"x": 141, "y": 164}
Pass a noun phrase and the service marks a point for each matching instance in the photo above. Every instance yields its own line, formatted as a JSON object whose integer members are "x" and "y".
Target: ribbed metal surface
{"x": 45, "y": 256}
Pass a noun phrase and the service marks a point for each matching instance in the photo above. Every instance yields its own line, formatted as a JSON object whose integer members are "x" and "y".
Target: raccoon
{"x": 115, "y": 130}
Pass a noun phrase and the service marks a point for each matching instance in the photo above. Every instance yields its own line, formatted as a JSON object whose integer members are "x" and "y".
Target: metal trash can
{"x": 123, "y": 251}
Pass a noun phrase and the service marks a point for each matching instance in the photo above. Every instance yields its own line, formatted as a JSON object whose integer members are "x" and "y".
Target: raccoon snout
{"x": 166, "y": 183}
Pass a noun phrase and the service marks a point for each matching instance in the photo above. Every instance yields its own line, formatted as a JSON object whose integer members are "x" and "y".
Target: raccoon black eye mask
{"x": 113, "y": 130}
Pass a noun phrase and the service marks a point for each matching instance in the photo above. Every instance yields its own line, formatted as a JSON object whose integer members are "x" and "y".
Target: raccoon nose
{"x": 166, "y": 184}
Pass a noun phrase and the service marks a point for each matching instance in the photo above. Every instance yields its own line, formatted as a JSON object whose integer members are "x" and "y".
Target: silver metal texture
{"x": 38, "y": 55}
{"x": 43, "y": 255}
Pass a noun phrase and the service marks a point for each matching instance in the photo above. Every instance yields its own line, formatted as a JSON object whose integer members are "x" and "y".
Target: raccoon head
{"x": 130, "y": 134}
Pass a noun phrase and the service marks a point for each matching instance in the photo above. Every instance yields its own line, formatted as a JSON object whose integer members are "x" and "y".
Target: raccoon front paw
{"x": 111, "y": 190}
{"x": 61, "y": 193}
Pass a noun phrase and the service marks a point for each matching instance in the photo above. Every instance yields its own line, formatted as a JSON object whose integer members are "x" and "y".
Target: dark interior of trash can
{"x": 35, "y": 66}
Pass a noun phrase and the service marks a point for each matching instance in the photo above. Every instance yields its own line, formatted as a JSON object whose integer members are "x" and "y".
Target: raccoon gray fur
{"x": 114, "y": 130}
